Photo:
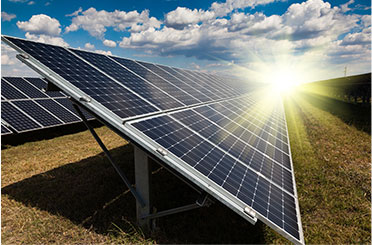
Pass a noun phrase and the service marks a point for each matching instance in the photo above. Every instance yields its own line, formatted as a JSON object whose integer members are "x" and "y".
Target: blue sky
{"x": 246, "y": 37}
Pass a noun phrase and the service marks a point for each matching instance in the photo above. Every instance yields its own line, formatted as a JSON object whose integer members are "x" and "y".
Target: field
{"x": 63, "y": 190}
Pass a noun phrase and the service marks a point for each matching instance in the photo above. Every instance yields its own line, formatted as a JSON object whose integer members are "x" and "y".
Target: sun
{"x": 284, "y": 80}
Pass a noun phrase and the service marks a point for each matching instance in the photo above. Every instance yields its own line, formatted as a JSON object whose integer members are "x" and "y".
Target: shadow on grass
{"x": 91, "y": 194}
{"x": 357, "y": 115}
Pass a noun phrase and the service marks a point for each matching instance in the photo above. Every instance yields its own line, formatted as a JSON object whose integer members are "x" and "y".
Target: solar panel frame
{"x": 126, "y": 129}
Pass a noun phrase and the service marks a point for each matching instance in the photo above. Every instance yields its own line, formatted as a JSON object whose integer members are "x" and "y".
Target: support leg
{"x": 143, "y": 186}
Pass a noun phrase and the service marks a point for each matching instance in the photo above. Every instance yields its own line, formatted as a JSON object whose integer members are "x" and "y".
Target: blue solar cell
{"x": 204, "y": 140}
{"x": 41, "y": 84}
{"x": 206, "y": 94}
{"x": 149, "y": 90}
{"x": 157, "y": 81}
{"x": 58, "y": 110}
{"x": 68, "y": 105}
{"x": 25, "y": 87}
{"x": 5, "y": 130}
{"x": 9, "y": 92}
{"x": 37, "y": 113}
{"x": 88, "y": 79}
{"x": 16, "y": 118}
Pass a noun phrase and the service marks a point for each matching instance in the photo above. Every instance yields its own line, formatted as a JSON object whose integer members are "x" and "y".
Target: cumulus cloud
{"x": 41, "y": 24}
{"x": 221, "y": 9}
{"x": 315, "y": 18}
{"x": 31, "y": 3}
{"x": 103, "y": 52}
{"x": 75, "y": 13}
{"x": 345, "y": 7}
{"x": 309, "y": 29}
{"x": 10, "y": 65}
{"x": 182, "y": 17}
{"x": 109, "y": 43}
{"x": 89, "y": 46}
{"x": 46, "y": 39}
{"x": 97, "y": 22}
{"x": 359, "y": 38}
{"x": 7, "y": 17}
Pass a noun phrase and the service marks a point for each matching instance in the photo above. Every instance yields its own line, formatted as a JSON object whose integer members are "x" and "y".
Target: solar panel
{"x": 42, "y": 116}
{"x": 112, "y": 95}
{"x": 41, "y": 84}
{"x": 68, "y": 105}
{"x": 182, "y": 85}
{"x": 10, "y": 92}
{"x": 18, "y": 119}
{"x": 233, "y": 146}
{"x": 5, "y": 130}
{"x": 26, "y": 88}
{"x": 52, "y": 108}
{"x": 138, "y": 84}
{"x": 58, "y": 110}
{"x": 230, "y": 159}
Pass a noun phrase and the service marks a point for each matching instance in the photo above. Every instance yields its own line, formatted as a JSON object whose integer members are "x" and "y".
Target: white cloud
{"x": 366, "y": 20}
{"x": 46, "y": 39}
{"x": 359, "y": 38}
{"x": 310, "y": 29}
{"x": 7, "y": 17}
{"x": 10, "y": 65}
{"x": 75, "y": 13}
{"x": 103, "y": 52}
{"x": 345, "y": 7}
{"x": 89, "y": 46}
{"x": 96, "y": 22}
{"x": 222, "y": 9}
{"x": 41, "y": 24}
{"x": 31, "y": 3}
{"x": 109, "y": 43}
{"x": 182, "y": 17}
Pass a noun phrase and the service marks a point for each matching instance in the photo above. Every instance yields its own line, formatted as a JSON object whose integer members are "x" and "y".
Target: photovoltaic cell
{"x": 177, "y": 82}
{"x": 58, "y": 110}
{"x": 5, "y": 130}
{"x": 213, "y": 92}
{"x": 67, "y": 104}
{"x": 152, "y": 93}
{"x": 110, "y": 94}
{"x": 16, "y": 118}
{"x": 213, "y": 84}
{"x": 9, "y": 92}
{"x": 159, "y": 82}
{"x": 37, "y": 112}
{"x": 206, "y": 94}
{"x": 41, "y": 84}
{"x": 25, "y": 87}
{"x": 243, "y": 172}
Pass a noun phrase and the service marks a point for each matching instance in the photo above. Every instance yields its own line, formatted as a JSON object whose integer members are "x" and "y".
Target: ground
{"x": 63, "y": 189}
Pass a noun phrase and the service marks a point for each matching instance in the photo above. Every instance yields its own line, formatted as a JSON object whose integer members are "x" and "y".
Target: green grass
{"x": 63, "y": 190}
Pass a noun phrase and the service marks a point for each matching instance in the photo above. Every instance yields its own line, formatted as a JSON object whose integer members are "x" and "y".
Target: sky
{"x": 255, "y": 39}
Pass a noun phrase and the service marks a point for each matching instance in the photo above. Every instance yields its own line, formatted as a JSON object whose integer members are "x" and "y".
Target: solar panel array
{"x": 26, "y": 106}
{"x": 229, "y": 140}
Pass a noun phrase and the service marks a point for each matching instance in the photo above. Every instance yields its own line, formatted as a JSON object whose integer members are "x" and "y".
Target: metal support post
{"x": 108, "y": 155}
{"x": 142, "y": 166}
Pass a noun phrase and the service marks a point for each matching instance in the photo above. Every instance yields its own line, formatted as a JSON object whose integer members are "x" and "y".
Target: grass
{"x": 63, "y": 190}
